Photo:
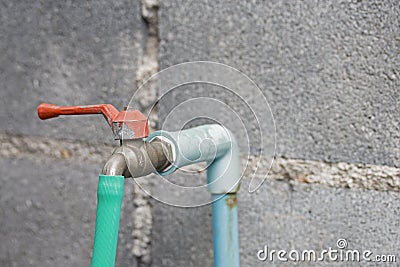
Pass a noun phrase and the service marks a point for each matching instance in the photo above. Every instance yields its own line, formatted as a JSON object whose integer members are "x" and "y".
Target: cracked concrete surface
{"x": 331, "y": 174}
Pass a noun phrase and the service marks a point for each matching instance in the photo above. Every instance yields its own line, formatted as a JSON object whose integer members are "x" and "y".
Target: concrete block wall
{"x": 330, "y": 71}
{"x": 66, "y": 53}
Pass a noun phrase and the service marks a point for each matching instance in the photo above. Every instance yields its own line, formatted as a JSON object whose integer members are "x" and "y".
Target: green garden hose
{"x": 109, "y": 199}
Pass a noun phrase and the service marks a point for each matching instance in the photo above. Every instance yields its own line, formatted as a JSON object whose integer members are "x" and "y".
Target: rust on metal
{"x": 231, "y": 201}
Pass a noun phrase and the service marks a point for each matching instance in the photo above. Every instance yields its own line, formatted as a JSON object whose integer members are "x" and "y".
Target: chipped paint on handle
{"x": 126, "y": 125}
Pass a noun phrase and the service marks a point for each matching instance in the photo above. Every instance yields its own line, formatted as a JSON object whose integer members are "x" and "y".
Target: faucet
{"x": 162, "y": 152}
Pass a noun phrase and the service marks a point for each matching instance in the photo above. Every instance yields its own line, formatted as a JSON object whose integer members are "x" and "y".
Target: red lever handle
{"x": 47, "y": 111}
{"x": 129, "y": 124}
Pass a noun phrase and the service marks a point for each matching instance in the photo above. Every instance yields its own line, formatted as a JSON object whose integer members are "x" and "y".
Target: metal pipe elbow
{"x": 207, "y": 143}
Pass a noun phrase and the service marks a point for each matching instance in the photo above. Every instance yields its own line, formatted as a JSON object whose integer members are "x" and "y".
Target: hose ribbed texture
{"x": 109, "y": 199}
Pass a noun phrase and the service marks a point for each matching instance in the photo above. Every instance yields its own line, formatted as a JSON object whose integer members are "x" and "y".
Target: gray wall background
{"x": 66, "y": 53}
{"x": 330, "y": 71}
